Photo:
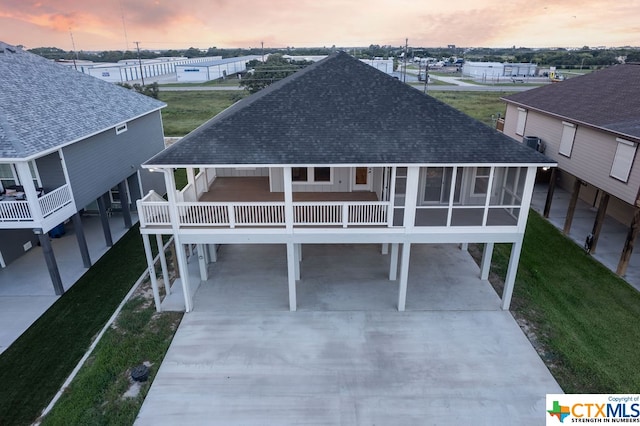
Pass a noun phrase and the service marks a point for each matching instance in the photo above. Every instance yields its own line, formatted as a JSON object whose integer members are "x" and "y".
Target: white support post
{"x": 527, "y": 193}
{"x": 288, "y": 199}
{"x": 393, "y": 266}
{"x": 152, "y": 271}
{"x": 297, "y": 254}
{"x": 163, "y": 263}
{"x": 26, "y": 180}
{"x": 300, "y": 252}
{"x": 404, "y": 276}
{"x": 464, "y": 246}
{"x": 512, "y": 270}
{"x": 291, "y": 274}
{"x": 213, "y": 253}
{"x": 487, "y": 254}
{"x": 202, "y": 262}
{"x": 413, "y": 173}
{"x": 392, "y": 196}
{"x": 385, "y": 248}
{"x": 184, "y": 274}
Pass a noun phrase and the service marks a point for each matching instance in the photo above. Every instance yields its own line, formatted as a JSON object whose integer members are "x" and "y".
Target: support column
{"x": 550, "y": 191}
{"x": 82, "y": 242}
{"x": 202, "y": 263}
{"x": 512, "y": 270}
{"x": 393, "y": 267}
{"x": 163, "y": 264}
{"x": 213, "y": 253}
{"x": 385, "y": 248}
{"x": 152, "y": 271}
{"x": 572, "y": 206}
{"x": 487, "y": 254}
{"x": 464, "y": 246}
{"x": 104, "y": 218}
{"x": 288, "y": 198}
{"x": 124, "y": 202}
{"x": 629, "y": 242}
{"x": 52, "y": 265}
{"x": 404, "y": 276}
{"x": 597, "y": 225}
{"x": 291, "y": 274}
{"x": 184, "y": 274}
{"x": 297, "y": 254}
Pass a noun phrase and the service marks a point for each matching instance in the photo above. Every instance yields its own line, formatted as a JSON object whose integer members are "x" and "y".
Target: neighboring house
{"x": 67, "y": 141}
{"x": 590, "y": 125}
{"x": 342, "y": 153}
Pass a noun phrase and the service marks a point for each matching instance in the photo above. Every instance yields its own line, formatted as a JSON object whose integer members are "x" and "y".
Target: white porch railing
{"x": 253, "y": 214}
{"x": 54, "y": 200}
{"x": 19, "y": 210}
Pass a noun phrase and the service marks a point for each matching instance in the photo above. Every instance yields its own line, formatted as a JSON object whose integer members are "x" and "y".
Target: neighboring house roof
{"x": 342, "y": 111}
{"x": 607, "y": 99}
{"x": 44, "y": 105}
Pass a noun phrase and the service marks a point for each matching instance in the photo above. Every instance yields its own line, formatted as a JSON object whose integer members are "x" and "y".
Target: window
{"x": 522, "y": 119}
{"x": 568, "y": 136}
{"x": 623, "y": 160}
{"x": 311, "y": 174}
{"x": 481, "y": 180}
{"x": 7, "y": 176}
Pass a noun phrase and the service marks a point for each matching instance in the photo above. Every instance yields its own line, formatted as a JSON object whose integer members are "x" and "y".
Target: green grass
{"x": 96, "y": 394}
{"x": 187, "y": 110}
{"x": 34, "y": 367}
{"x": 585, "y": 317}
{"x": 479, "y": 105}
{"x": 229, "y": 82}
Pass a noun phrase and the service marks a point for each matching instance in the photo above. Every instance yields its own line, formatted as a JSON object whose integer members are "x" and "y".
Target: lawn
{"x": 584, "y": 317}
{"x": 187, "y": 110}
{"x": 479, "y": 105}
{"x": 34, "y": 367}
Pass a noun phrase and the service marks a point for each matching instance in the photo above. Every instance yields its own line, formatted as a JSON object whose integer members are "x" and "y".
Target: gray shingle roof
{"x": 342, "y": 111}
{"x": 608, "y": 99}
{"x": 44, "y": 105}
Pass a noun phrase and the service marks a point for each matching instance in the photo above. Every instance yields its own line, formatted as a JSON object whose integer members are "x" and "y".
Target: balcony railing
{"x": 20, "y": 210}
{"x": 264, "y": 214}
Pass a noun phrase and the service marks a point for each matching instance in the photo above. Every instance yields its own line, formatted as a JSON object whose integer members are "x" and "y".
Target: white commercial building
{"x": 496, "y": 70}
{"x": 213, "y": 70}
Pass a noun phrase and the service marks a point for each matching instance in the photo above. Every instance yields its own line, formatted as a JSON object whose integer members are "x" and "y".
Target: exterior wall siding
{"x": 12, "y": 243}
{"x": 50, "y": 171}
{"x": 97, "y": 164}
{"x": 259, "y": 171}
{"x": 592, "y": 155}
{"x": 341, "y": 182}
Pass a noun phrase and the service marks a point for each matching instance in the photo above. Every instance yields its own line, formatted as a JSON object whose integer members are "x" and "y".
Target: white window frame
{"x": 475, "y": 177}
{"x": 567, "y": 139}
{"x": 311, "y": 178}
{"x": 522, "y": 121}
{"x": 623, "y": 160}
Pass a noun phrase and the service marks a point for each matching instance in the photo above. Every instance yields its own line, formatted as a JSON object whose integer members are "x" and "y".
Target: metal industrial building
{"x": 213, "y": 70}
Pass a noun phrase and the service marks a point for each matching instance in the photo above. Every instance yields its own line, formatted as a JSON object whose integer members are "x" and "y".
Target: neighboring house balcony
{"x": 446, "y": 200}
{"x": 46, "y": 211}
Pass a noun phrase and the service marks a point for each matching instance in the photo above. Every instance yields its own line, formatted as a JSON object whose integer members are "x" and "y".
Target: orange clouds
{"x": 98, "y": 25}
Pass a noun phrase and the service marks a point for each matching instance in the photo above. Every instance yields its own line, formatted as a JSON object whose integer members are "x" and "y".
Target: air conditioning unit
{"x": 534, "y": 142}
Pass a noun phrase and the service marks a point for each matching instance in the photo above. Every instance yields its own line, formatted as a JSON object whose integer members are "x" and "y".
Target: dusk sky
{"x": 160, "y": 24}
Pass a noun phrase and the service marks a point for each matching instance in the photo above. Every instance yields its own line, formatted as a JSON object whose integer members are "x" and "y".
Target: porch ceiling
{"x": 257, "y": 189}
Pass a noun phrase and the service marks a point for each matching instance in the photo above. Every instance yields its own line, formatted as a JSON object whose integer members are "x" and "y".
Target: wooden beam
{"x": 630, "y": 241}
{"x": 572, "y": 206}
{"x": 597, "y": 224}
{"x": 550, "y": 191}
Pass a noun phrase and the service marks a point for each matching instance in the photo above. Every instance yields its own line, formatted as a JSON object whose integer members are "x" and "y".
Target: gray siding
{"x": 591, "y": 157}
{"x": 98, "y": 163}
{"x": 50, "y": 171}
{"x": 12, "y": 243}
{"x": 152, "y": 181}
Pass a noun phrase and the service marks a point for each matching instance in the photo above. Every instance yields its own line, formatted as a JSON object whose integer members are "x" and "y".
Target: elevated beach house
{"x": 341, "y": 153}
{"x": 68, "y": 142}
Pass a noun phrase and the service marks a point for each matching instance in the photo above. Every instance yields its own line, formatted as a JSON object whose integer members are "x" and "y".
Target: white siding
{"x": 341, "y": 182}
{"x": 259, "y": 171}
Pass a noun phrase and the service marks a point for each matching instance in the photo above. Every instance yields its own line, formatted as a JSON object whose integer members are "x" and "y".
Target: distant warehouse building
{"x": 213, "y": 70}
{"x": 496, "y": 70}
{"x": 381, "y": 64}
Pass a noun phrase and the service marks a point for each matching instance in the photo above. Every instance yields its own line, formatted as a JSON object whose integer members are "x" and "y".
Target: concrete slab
{"x": 612, "y": 236}
{"x": 26, "y": 291}
{"x": 349, "y": 368}
{"x": 347, "y": 356}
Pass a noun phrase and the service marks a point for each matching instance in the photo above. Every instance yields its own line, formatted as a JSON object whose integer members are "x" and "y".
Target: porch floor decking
{"x": 241, "y": 189}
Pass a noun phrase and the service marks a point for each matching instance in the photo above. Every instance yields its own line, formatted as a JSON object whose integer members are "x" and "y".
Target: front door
{"x": 361, "y": 179}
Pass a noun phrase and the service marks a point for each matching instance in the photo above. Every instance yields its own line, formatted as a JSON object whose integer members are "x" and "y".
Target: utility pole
{"x": 406, "y": 52}
{"x": 75, "y": 52}
{"x": 139, "y": 61}
{"x": 426, "y": 75}
{"x": 262, "y": 44}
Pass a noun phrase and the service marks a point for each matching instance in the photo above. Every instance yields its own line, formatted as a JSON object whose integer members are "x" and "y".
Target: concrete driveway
{"x": 246, "y": 360}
